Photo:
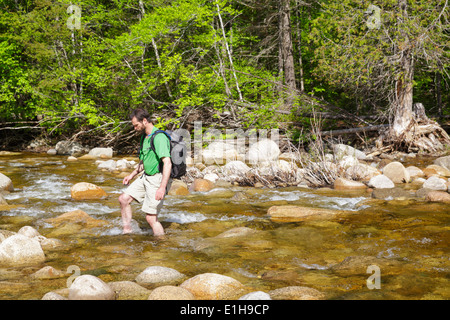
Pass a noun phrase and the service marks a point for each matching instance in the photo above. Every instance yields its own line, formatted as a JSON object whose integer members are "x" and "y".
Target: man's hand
{"x": 127, "y": 179}
{"x": 160, "y": 193}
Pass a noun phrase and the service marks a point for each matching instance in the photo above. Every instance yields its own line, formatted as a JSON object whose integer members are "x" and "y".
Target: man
{"x": 151, "y": 188}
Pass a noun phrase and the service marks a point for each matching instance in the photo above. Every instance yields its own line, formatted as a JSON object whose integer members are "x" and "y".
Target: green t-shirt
{"x": 150, "y": 159}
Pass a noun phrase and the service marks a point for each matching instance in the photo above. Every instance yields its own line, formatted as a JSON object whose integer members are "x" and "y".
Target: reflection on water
{"x": 407, "y": 239}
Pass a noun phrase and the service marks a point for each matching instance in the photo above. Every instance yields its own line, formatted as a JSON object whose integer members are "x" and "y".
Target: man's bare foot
{"x": 127, "y": 230}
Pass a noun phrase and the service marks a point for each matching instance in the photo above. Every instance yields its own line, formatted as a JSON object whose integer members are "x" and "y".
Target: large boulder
{"x": 5, "y": 183}
{"x": 87, "y": 191}
{"x": 88, "y": 287}
{"x": 396, "y": 172}
{"x": 201, "y": 185}
{"x": 213, "y": 286}
{"x": 20, "y": 250}
{"x": 265, "y": 150}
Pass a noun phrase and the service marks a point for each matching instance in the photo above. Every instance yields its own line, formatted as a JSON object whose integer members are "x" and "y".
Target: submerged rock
{"x": 298, "y": 213}
{"x": 296, "y": 293}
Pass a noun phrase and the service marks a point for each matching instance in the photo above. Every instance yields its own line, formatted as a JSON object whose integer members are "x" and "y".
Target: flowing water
{"x": 406, "y": 240}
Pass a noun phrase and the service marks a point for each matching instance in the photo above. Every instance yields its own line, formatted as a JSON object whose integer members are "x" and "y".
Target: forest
{"x": 76, "y": 69}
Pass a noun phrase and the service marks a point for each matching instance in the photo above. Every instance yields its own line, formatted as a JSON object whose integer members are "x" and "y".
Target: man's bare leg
{"x": 127, "y": 213}
{"x": 158, "y": 230}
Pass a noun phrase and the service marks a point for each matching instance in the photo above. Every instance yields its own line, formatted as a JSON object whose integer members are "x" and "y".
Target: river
{"x": 406, "y": 241}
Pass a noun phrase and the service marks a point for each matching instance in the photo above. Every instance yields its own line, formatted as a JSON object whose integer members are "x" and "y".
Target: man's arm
{"x": 167, "y": 168}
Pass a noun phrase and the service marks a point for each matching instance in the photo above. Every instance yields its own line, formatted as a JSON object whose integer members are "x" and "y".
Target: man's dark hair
{"x": 140, "y": 115}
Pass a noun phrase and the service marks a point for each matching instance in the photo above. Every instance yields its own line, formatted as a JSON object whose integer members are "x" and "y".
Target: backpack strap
{"x": 152, "y": 141}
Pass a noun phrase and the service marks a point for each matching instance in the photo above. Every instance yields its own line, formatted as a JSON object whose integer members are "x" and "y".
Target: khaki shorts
{"x": 143, "y": 190}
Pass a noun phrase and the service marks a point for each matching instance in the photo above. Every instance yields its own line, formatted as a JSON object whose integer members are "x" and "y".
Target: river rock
{"x": 53, "y": 296}
{"x": 109, "y": 165}
{"x": 201, "y": 185}
{"x": 443, "y": 172}
{"x": 178, "y": 188}
{"x": 70, "y": 148}
{"x": 296, "y": 293}
{"x": 346, "y": 184}
{"x": 297, "y": 213}
{"x": 236, "y": 232}
{"x": 213, "y": 286}
{"x": 435, "y": 183}
{"x": 101, "y": 152}
{"x": 128, "y": 290}
{"x": 88, "y": 287}
{"x": 170, "y": 293}
{"x": 438, "y": 196}
{"x": 5, "y": 183}
{"x": 381, "y": 182}
{"x": 396, "y": 172}
{"x": 48, "y": 272}
{"x": 443, "y": 162}
{"x": 238, "y": 168}
{"x": 219, "y": 152}
{"x": 19, "y": 250}
{"x": 341, "y": 150}
{"x": 87, "y": 191}
{"x": 347, "y": 162}
{"x": 263, "y": 151}
{"x": 157, "y": 275}
{"x": 3, "y": 202}
{"x": 256, "y": 295}
{"x": 361, "y": 172}
{"x": 77, "y": 217}
{"x": 415, "y": 172}
{"x": 391, "y": 194}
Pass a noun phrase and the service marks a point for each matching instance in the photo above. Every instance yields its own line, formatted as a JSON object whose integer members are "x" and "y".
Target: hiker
{"x": 152, "y": 186}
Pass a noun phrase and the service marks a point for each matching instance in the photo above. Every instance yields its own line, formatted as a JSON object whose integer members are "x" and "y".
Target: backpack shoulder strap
{"x": 152, "y": 140}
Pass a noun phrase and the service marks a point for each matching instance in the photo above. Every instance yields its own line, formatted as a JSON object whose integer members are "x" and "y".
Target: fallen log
{"x": 353, "y": 130}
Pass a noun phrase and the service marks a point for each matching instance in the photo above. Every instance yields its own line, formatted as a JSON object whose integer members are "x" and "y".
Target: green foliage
{"x": 171, "y": 57}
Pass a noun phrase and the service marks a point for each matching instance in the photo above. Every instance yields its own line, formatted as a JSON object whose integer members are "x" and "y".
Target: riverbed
{"x": 405, "y": 241}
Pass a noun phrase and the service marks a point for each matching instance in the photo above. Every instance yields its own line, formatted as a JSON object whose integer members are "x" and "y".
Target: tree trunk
{"x": 287, "y": 49}
{"x": 403, "y": 103}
